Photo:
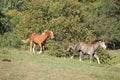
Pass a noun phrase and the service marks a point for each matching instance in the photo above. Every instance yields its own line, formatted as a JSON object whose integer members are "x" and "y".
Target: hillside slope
{"x": 24, "y": 66}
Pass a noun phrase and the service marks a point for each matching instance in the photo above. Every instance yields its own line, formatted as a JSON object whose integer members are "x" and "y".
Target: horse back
{"x": 32, "y": 36}
{"x": 83, "y": 46}
{"x": 38, "y": 38}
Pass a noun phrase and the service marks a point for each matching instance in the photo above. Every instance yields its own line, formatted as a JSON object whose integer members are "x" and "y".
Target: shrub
{"x": 10, "y": 40}
{"x": 12, "y": 13}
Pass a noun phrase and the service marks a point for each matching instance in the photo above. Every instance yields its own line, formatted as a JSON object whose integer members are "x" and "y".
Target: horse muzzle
{"x": 104, "y": 47}
{"x": 52, "y": 37}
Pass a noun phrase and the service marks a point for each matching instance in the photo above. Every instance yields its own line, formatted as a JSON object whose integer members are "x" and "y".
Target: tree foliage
{"x": 71, "y": 21}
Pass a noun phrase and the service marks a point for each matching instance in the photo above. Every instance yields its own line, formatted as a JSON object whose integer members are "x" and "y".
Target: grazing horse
{"x": 88, "y": 49}
{"x": 39, "y": 39}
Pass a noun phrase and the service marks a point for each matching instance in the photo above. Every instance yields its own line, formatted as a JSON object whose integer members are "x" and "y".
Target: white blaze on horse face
{"x": 103, "y": 45}
{"x": 52, "y": 35}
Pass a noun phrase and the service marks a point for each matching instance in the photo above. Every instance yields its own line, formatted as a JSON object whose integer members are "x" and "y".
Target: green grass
{"x": 24, "y": 66}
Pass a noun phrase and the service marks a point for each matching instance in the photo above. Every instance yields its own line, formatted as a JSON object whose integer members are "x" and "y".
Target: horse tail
{"x": 26, "y": 40}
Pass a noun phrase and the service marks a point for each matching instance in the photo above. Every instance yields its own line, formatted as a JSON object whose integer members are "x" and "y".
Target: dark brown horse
{"x": 88, "y": 49}
{"x": 39, "y": 39}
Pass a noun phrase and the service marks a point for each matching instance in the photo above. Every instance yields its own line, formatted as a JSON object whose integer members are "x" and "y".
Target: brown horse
{"x": 88, "y": 49}
{"x": 39, "y": 39}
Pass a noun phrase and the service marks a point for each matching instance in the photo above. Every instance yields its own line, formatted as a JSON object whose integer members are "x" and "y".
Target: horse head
{"x": 49, "y": 33}
{"x": 102, "y": 44}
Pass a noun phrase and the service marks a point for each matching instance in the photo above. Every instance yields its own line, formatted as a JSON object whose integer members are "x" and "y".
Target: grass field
{"x": 24, "y": 66}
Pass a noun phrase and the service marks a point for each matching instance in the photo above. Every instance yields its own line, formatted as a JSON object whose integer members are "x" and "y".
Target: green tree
{"x": 63, "y": 17}
{"x": 71, "y": 21}
{"x": 103, "y": 17}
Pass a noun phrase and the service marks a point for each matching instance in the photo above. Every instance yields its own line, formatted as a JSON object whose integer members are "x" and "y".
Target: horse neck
{"x": 95, "y": 45}
{"x": 45, "y": 36}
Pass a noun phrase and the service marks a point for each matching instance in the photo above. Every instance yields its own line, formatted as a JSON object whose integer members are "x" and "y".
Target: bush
{"x": 70, "y": 20}
{"x": 12, "y": 13}
{"x": 10, "y": 40}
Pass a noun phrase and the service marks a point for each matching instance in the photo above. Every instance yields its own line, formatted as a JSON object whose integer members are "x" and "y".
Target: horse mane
{"x": 45, "y": 31}
{"x": 95, "y": 41}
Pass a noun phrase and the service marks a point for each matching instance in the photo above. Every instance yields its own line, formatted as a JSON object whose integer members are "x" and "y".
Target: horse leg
{"x": 72, "y": 55}
{"x": 34, "y": 48}
{"x": 95, "y": 55}
{"x": 41, "y": 49}
{"x": 91, "y": 57}
{"x": 80, "y": 56}
{"x": 30, "y": 46}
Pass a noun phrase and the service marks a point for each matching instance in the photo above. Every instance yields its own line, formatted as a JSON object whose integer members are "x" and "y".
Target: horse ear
{"x": 102, "y": 40}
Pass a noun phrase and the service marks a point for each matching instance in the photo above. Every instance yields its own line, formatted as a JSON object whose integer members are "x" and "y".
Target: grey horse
{"x": 88, "y": 49}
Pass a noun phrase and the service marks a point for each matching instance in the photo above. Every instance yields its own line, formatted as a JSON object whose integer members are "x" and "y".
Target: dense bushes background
{"x": 70, "y": 20}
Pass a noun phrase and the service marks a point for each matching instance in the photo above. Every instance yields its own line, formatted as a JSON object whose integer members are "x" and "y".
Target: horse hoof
{"x": 80, "y": 60}
{"x": 71, "y": 57}
{"x": 39, "y": 52}
{"x": 98, "y": 63}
